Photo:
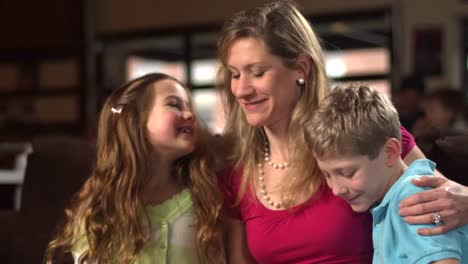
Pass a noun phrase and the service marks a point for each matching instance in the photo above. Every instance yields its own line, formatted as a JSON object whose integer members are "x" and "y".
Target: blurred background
{"x": 59, "y": 59}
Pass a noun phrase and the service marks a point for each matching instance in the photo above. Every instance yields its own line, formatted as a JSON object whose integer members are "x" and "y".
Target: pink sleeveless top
{"x": 322, "y": 230}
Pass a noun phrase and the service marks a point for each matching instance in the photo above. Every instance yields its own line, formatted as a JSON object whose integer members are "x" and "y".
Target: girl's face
{"x": 264, "y": 88}
{"x": 171, "y": 122}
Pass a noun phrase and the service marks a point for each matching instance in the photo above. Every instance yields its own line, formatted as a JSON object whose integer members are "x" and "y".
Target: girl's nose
{"x": 188, "y": 115}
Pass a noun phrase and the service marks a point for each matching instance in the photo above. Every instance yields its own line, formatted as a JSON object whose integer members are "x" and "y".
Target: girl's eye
{"x": 174, "y": 104}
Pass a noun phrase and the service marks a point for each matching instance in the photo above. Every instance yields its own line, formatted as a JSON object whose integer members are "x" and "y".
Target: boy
{"x": 355, "y": 136}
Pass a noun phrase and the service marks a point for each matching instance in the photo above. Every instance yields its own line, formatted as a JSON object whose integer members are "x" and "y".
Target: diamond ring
{"x": 437, "y": 218}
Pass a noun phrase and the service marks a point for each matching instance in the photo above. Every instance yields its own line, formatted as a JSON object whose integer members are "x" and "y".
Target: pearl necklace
{"x": 274, "y": 165}
{"x": 261, "y": 179}
{"x": 263, "y": 189}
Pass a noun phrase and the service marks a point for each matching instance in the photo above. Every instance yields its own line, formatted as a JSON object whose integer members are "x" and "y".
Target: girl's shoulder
{"x": 171, "y": 208}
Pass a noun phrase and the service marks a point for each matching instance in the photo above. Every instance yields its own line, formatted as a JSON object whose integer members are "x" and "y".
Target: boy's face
{"x": 358, "y": 180}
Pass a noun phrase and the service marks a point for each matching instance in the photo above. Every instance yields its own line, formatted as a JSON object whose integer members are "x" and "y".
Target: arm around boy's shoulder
{"x": 404, "y": 188}
{"x": 449, "y": 149}
{"x": 406, "y": 243}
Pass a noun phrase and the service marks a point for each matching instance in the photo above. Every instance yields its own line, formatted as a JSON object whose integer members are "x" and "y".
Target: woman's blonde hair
{"x": 109, "y": 206}
{"x": 288, "y": 35}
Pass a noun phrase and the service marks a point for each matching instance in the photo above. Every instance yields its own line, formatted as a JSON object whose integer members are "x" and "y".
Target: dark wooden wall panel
{"x": 40, "y": 24}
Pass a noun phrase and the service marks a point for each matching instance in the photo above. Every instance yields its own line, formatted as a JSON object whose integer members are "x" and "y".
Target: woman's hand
{"x": 448, "y": 198}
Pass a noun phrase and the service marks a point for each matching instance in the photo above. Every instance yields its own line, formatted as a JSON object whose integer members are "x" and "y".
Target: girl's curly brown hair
{"x": 109, "y": 206}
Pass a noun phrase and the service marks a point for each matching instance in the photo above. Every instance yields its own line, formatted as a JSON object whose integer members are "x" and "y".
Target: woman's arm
{"x": 448, "y": 198}
{"x": 416, "y": 153}
{"x": 237, "y": 250}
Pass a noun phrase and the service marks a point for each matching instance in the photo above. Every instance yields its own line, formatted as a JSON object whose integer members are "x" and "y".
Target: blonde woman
{"x": 272, "y": 77}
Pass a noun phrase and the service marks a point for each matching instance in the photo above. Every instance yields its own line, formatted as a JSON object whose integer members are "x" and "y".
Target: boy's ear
{"x": 392, "y": 150}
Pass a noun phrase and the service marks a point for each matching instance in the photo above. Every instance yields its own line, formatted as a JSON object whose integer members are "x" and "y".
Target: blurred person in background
{"x": 408, "y": 100}
{"x": 443, "y": 110}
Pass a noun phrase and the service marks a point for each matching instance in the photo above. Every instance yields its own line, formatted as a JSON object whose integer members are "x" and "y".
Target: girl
{"x": 152, "y": 197}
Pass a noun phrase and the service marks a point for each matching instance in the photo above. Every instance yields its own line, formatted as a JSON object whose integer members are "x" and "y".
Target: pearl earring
{"x": 300, "y": 82}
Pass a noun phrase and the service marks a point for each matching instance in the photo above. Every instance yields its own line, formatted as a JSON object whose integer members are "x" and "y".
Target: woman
{"x": 280, "y": 211}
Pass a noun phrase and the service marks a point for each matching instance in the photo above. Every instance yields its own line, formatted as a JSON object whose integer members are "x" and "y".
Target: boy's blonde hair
{"x": 353, "y": 120}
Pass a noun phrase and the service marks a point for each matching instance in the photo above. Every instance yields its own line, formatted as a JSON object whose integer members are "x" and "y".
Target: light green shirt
{"x": 173, "y": 230}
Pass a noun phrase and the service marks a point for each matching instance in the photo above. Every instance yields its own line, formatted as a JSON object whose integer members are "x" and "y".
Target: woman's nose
{"x": 242, "y": 88}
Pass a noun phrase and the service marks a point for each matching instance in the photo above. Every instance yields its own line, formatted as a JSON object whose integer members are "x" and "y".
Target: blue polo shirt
{"x": 395, "y": 241}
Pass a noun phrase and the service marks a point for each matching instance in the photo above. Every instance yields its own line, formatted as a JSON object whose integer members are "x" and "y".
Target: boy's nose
{"x": 338, "y": 189}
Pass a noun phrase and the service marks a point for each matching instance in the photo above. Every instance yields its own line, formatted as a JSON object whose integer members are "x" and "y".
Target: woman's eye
{"x": 235, "y": 76}
{"x": 258, "y": 74}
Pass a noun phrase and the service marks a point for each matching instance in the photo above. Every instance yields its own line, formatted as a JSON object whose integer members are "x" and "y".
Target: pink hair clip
{"x": 116, "y": 110}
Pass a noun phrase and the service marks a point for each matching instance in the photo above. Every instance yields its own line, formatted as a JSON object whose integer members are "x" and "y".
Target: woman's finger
{"x": 419, "y": 203}
{"x": 436, "y": 230}
{"x": 420, "y": 219}
{"x": 447, "y": 223}
{"x": 429, "y": 181}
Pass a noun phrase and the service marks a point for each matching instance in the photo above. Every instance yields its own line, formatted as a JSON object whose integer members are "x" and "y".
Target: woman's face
{"x": 264, "y": 88}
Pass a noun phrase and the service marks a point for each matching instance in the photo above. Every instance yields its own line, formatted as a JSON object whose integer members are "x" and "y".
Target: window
{"x": 361, "y": 63}
{"x": 139, "y": 66}
{"x": 358, "y": 49}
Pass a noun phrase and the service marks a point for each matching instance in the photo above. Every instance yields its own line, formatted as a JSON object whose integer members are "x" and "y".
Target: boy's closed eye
{"x": 347, "y": 173}
{"x": 340, "y": 173}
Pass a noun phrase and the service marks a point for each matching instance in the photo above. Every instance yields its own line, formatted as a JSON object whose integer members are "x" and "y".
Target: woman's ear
{"x": 303, "y": 64}
{"x": 392, "y": 150}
